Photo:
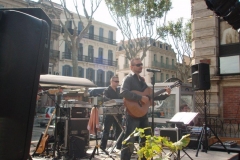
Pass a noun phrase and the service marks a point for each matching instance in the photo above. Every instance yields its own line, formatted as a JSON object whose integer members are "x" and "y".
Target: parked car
{"x": 45, "y": 117}
{"x": 40, "y": 114}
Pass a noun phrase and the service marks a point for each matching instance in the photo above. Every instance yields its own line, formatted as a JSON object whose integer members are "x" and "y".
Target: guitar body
{"x": 44, "y": 138}
{"x": 42, "y": 144}
{"x": 137, "y": 108}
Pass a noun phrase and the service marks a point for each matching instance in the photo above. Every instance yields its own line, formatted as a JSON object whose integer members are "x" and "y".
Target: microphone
{"x": 153, "y": 70}
{"x": 42, "y": 92}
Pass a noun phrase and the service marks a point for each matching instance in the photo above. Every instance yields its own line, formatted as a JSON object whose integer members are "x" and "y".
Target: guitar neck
{"x": 45, "y": 132}
{"x": 161, "y": 91}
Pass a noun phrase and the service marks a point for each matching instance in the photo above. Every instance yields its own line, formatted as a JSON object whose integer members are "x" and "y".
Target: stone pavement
{"x": 216, "y": 155}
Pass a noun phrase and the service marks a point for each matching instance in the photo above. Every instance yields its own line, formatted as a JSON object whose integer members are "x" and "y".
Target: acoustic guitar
{"x": 138, "y": 108}
{"x": 43, "y": 140}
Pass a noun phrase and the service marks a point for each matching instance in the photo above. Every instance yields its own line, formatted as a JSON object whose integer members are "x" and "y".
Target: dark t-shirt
{"x": 110, "y": 93}
{"x": 131, "y": 82}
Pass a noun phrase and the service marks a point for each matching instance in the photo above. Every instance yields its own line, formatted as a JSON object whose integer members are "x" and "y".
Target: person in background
{"x": 133, "y": 81}
{"x": 111, "y": 92}
{"x": 184, "y": 108}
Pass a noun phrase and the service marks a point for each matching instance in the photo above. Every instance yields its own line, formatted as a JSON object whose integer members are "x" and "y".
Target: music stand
{"x": 182, "y": 118}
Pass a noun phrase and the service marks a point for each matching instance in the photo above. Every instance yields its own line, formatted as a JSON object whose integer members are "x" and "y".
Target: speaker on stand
{"x": 200, "y": 77}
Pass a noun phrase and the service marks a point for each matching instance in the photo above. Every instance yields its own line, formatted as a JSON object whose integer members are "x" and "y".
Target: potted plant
{"x": 156, "y": 146}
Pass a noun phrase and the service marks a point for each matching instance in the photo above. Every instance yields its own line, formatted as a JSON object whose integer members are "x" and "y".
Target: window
{"x": 173, "y": 76}
{"x": 100, "y": 55}
{"x": 67, "y": 54}
{"x": 126, "y": 60}
{"x": 80, "y": 52}
{"x": 67, "y": 70}
{"x": 229, "y": 49}
{"x": 110, "y": 37}
{"x": 110, "y": 57}
{"x": 91, "y": 32}
{"x": 166, "y": 47}
{"x": 100, "y": 78}
{"x": 167, "y": 76}
{"x": 1, "y": 6}
{"x": 167, "y": 61}
{"x": 90, "y": 53}
{"x": 109, "y": 76}
{"x": 68, "y": 24}
{"x": 50, "y": 70}
{"x": 154, "y": 57}
{"x": 120, "y": 48}
{"x": 162, "y": 77}
{"x": 161, "y": 59}
{"x": 90, "y": 74}
{"x": 80, "y": 27}
{"x": 101, "y": 34}
{"x": 51, "y": 44}
{"x": 230, "y": 64}
{"x": 160, "y": 45}
{"x": 81, "y": 72}
{"x": 172, "y": 62}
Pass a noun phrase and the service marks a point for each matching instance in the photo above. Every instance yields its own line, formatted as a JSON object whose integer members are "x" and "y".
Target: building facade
{"x": 216, "y": 43}
{"x": 96, "y": 58}
{"x": 159, "y": 56}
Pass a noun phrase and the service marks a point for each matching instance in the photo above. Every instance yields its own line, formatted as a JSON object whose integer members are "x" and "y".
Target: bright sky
{"x": 180, "y": 8}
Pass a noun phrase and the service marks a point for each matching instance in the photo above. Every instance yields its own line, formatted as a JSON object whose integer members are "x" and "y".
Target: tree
{"x": 179, "y": 34}
{"x": 137, "y": 20}
{"x": 73, "y": 36}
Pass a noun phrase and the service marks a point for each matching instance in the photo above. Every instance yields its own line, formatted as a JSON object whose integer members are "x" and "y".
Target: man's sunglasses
{"x": 116, "y": 81}
{"x": 138, "y": 65}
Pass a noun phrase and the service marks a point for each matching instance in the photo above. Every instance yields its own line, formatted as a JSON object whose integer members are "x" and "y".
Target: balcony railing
{"x": 54, "y": 54}
{"x": 95, "y": 37}
{"x": 56, "y": 28}
{"x": 223, "y": 127}
{"x": 163, "y": 65}
{"x": 67, "y": 55}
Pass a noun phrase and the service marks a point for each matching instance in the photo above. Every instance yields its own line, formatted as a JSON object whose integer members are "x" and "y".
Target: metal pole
{"x": 153, "y": 83}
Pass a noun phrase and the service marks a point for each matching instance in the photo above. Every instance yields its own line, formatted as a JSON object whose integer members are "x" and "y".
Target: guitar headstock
{"x": 176, "y": 84}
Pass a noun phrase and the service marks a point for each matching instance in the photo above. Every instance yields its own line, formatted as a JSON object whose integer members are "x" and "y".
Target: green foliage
{"x": 154, "y": 145}
{"x": 149, "y": 9}
{"x": 178, "y": 30}
{"x": 179, "y": 34}
{"x": 137, "y": 20}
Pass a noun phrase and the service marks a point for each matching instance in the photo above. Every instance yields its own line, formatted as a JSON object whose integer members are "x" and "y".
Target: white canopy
{"x": 65, "y": 80}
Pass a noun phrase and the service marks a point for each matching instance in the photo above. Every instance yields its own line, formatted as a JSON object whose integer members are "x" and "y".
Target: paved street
{"x": 116, "y": 153}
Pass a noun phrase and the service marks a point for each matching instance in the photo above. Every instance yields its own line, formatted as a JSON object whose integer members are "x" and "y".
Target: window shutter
{"x": 70, "y": 71}
{"x": 93, "y": 72}
{"x": 63, "y": 70}
{"x": 87, "y": 73}
{"x": 82, "y": 75}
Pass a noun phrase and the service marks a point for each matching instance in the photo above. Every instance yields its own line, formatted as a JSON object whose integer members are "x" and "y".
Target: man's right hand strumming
{"x": 145, "y": 99}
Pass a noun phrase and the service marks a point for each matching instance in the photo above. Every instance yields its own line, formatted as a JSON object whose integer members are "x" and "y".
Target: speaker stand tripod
{"x": 204, "y": 131}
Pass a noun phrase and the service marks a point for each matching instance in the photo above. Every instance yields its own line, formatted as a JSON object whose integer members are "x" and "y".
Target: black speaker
{"x": 38, "y": 13}
{"x": 200, "y": 77}
{"x": 23, "y": 41}
{"x": 171, "y": 133}
{"x": 77, "y": 147}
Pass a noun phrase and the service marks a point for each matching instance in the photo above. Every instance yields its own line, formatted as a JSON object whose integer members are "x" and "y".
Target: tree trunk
{"x": 74, "y": 58}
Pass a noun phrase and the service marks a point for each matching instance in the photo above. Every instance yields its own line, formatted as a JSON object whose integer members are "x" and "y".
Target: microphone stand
{"x": 153, "y": 83}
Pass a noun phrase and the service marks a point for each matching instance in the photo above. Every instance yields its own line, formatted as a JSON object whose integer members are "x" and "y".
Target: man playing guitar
{"x": 133, "y": 81}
